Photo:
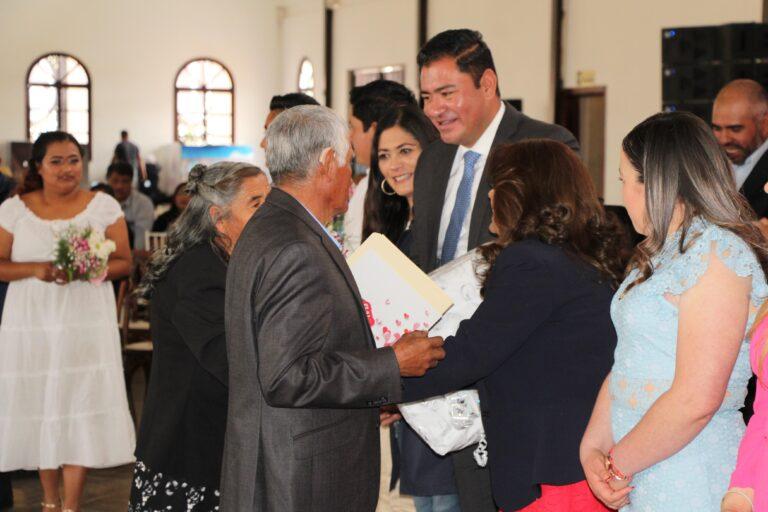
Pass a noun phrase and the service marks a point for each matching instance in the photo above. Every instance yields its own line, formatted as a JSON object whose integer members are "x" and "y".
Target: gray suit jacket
{"x": 431, "y": 181}
{"x": 305, "y": 379}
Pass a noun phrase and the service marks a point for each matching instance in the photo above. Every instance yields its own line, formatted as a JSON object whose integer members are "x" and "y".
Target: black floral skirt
{"x": 156, "y": 492}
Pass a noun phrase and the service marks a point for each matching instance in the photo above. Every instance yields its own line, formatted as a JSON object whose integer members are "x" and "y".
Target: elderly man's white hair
{"x": 297, "y": 138}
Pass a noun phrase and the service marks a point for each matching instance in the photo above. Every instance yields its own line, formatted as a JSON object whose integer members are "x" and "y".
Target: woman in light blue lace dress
{"x": 666, "y": 427}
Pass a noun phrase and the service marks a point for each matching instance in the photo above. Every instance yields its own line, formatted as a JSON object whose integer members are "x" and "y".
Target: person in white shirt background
{"x": 137, "y": 207}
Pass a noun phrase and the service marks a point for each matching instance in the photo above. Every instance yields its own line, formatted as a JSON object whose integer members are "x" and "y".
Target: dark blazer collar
{"x": 481, "y": 211}
{"x": 757, "y": 178}
{"x": 285, "y": 201}
{"x": 446, "y": 154}
{"x": 510, "y": 122}
{"x": 509, "y": 125}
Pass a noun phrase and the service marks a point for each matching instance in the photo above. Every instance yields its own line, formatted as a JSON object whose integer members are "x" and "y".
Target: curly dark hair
{"x": 542, "y": 190}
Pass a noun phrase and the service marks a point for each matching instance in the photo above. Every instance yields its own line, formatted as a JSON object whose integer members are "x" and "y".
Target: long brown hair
{"x": 389, "y": 214}
{"x": 543, "y": 191}
{"x": 680, "y": 162}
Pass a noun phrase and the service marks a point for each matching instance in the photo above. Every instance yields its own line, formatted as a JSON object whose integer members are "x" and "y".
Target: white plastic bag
{"x": 451, "y": 422}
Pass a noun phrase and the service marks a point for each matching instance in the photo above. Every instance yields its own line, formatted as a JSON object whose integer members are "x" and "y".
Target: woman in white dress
{"x": 63, "y": 406}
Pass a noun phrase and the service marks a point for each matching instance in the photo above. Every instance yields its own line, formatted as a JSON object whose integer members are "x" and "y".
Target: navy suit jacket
{"x": 541, "y": 344}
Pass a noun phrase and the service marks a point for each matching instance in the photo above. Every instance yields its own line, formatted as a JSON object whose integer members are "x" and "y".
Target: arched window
{"x": 205, "y": 104}
{"x": 59, "y": 97}
{"x": 307, "y": 77}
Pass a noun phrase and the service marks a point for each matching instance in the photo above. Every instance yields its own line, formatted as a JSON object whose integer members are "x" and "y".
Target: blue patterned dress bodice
{"x": 646, "y": 321}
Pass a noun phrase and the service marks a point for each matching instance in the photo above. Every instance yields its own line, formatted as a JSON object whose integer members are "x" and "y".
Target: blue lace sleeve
{"x": 728, "y": 248}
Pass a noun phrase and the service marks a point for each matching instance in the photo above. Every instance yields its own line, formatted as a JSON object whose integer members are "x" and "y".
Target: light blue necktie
{"x": 460, "y": 208}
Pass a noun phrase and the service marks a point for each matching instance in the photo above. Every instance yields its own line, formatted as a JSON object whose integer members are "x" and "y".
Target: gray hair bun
{"x": 195, "y": 179}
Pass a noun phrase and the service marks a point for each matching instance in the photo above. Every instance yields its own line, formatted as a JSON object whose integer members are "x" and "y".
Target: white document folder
{"x": 397, "y": 296}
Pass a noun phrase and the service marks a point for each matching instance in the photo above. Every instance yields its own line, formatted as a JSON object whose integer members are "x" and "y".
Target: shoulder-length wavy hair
{"x": 680, "y": 163}
{"x": 542, "y": 190}
{"x": 383, "y": 213}
{"x": 214, "y": 185}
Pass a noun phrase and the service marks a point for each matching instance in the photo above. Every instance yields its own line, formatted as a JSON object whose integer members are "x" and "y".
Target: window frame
{"x": 177, "y": 89}
{"x": 59, "y": 90}
{"x": 298, "y": 78}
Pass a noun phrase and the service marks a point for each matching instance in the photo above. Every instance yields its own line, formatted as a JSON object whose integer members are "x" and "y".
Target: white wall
{"x": 133, "y": 51}
{"x": 519, "y": 35}
{"x": 621, "y": 41}
{"x": 372, "y": 33}
{"x": 302, "y": 34}
{"x": 381, "y": 32}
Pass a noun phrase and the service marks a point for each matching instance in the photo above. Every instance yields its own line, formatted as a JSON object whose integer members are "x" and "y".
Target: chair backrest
{"x": 154, "y": 240}
{"x": 127, "y": 311}
{"x": 122, "y": 292}
{"x": 125, "y": 306}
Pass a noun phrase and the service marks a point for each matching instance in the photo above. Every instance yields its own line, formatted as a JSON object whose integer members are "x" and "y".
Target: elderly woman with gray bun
{"x": 181, "y": 437}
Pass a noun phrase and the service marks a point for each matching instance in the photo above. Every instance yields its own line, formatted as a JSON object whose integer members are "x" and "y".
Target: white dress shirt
{"x": 742, "y": 172}
{"x": 483, "y": 147}
{"x": 353, "y": 219}
{"x": 325, "y": 229}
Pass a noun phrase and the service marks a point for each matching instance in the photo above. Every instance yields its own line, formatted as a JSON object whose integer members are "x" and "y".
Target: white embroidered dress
{"x": 62, "y": 393}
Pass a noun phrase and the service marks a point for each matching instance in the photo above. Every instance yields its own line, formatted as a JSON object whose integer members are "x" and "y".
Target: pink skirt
{"x": 566, "y": 498}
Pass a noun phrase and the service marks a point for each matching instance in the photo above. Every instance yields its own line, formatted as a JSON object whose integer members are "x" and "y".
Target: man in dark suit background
{"x": 740, "y": 124}
{"x": 305, "y": 378}
{"x": 452, "y": 211}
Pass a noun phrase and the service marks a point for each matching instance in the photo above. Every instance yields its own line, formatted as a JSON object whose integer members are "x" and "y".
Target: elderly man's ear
{"x": 328, "y": 164}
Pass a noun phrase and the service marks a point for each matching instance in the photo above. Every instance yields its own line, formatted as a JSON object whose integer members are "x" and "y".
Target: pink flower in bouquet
{"x": 81, "y": 245}
{"x": 100, "y": 278}
{"x": 83, "y": 254}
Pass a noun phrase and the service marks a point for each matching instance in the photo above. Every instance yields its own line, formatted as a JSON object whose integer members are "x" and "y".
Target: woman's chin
{"x": 404, "y": 191}
{"x": 65, "y": 187}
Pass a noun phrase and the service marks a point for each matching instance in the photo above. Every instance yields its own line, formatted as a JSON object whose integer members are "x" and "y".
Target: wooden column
{"x": 557, "y": 54}
{"x": 423, "y": 13}
{"x": 328, "y": 57}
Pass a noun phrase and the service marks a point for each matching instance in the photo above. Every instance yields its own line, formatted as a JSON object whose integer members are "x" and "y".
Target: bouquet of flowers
{"x": 82, "y": 254}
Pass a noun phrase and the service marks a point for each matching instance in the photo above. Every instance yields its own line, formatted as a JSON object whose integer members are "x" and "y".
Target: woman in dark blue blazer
{"x": 542, "y": 341}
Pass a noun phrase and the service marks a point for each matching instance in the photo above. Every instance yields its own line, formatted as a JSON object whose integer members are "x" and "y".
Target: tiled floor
{"x": 106, "y": 490}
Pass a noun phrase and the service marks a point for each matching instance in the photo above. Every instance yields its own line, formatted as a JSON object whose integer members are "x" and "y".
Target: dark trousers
{"x": 473, "y": 482}
{"x": 6, "y": 492}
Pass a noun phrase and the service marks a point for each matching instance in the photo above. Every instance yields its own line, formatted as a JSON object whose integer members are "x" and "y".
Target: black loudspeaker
{"x": 702, "y": 109}
{"x": 690, "y": 82}
{"x": 691, "y": 45}
{"x": 745, "y": 41}
{"x": 698, "y": 61}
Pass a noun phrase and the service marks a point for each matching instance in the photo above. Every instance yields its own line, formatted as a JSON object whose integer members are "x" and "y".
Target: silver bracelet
{"x": 743, "y": 495}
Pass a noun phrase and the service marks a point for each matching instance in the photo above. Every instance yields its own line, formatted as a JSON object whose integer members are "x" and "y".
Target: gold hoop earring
{"x": 384, "y": 189}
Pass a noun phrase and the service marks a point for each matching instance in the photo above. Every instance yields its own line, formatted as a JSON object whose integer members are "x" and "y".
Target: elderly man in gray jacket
{"x": 305, "y": 377}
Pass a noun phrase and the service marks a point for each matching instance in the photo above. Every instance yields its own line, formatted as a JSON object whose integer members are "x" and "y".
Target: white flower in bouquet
{"x": 82, "y": 254}
{"x": 104, "y": 248}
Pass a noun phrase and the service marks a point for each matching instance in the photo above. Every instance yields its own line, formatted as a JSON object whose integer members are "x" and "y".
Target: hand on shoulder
{"x": 738, "y": 499}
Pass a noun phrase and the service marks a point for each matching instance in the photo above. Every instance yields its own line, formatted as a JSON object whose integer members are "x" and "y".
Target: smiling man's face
{"x": 455, "y": 105}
